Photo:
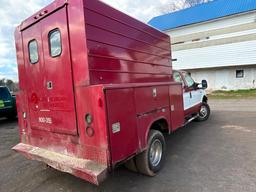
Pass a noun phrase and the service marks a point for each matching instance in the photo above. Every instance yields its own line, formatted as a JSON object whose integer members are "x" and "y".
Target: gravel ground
{"x": 215, "y": 156}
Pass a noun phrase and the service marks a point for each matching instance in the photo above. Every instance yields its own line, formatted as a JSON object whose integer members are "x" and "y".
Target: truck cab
{"x": 194, "y": 95}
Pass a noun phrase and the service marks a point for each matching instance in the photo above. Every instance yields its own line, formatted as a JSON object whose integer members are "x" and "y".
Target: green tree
{"x": 13, "y": 86}
{"x": 2, "y": 82}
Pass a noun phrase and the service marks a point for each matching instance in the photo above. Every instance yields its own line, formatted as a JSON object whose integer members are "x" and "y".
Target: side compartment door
{"x": 122, "y": 123}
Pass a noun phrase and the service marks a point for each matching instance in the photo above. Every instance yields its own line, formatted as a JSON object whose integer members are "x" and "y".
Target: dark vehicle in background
{"x": 7, "y": 104}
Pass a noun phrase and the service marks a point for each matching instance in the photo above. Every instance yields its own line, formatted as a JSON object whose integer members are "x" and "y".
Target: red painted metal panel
{"x": 45, "y": 12}
{"x": 146, "y": 101}
{"x": 124, "y": 66}
{"x": 176, "y": 106}
{"x": 112, "y": 38}
{"x": 60, "y": 105}
{"x": 78, "y": 45}
{"x": 117, "y": 78}
{"x": 100, "y": 7}
{"x": 145, "y": 122}
{"x": 93, "y": 147}
{"x": 34, "y": 79}
{"x": 152, "y": 104}
{"x": 94, "y": 104}
{"x": 101, "y": 50}
{"x": 193, "y": 110}
{"x": 111, "y": 24}
{"x": 137, "y": 85}
{"x": 122, "y": 113}
{"x": 20, "y": 58}
{"x": 50, "y": 109}
{"x": 125, "y": 45}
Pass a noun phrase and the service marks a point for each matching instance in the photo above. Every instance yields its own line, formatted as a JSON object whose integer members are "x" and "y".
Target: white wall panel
{"x": 225, "y": 78}
{"x": 235, "y": 54}
{"x": 246, "y": 32}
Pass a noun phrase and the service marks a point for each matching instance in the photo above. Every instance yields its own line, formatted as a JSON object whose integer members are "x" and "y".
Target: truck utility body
{"x": 96, "y": 90}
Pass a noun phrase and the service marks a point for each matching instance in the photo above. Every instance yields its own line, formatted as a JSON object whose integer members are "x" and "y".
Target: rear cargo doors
{"x": 49, "y": 75}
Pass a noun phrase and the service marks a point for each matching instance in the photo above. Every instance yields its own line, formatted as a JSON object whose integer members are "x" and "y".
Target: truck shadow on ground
{"x": 180, "y": 145}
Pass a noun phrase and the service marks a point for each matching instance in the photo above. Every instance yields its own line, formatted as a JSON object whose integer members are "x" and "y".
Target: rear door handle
{"x": 49, "y": 85}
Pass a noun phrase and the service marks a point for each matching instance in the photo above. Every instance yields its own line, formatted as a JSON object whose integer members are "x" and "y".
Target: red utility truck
{"x": 97, "y": 90}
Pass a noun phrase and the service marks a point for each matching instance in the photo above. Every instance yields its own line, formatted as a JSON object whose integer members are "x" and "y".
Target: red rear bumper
{"x": 86, "y": 169}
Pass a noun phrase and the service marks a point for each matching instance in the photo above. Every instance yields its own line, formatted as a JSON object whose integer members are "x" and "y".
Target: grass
{"x": 236, "y": 94}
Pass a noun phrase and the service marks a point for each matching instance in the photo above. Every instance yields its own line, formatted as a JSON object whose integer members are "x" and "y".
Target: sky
{"x": 12, "y": 12}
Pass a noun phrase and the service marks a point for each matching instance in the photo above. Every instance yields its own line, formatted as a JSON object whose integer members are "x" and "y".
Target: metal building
{"x": 215, "y": 41}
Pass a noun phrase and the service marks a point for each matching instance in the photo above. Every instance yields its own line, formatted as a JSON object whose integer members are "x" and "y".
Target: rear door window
{"x": 33, "y": 51}
{"x": 55, "y": 43}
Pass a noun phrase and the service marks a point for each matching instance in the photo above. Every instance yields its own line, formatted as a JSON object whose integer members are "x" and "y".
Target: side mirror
{"x": 204, "y": 84}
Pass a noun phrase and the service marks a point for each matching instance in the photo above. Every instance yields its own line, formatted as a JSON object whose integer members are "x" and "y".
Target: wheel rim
{"x": 203, "y": 112}
{"x": 155, "y": 153}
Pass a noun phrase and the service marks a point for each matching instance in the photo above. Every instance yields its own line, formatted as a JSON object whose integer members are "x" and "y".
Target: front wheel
{"x": 152, "y": 159}
{"x": 204, "y": 112}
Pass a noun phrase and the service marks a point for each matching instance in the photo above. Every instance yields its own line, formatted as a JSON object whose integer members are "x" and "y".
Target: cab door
{"x": 177, "y": 76}
{"x": 51, "y": 90}
{"x": 194, "y": 92}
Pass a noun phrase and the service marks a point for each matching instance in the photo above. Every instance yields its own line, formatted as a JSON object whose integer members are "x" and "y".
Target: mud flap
{"x": 88, "y": 170}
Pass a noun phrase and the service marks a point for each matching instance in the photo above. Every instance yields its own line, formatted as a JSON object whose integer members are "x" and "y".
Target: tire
{"x": 151, "y": 161}
{"x": 204, "y": 112}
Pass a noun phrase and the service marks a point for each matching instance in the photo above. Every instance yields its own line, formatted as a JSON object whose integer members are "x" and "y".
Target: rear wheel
{"x": 204, "y": 112}
{"x": 152, "y": 159}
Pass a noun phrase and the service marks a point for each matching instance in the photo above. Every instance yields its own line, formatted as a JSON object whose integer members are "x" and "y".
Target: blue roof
{"x": 201, "y": 13}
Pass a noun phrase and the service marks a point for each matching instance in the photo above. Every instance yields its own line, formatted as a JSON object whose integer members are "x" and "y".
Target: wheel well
{"x": 160, "y": 125}
{"x": 205, "y": 99}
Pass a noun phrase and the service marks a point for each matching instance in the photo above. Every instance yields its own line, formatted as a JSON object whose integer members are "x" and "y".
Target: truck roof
{"x": 39, "y": 15}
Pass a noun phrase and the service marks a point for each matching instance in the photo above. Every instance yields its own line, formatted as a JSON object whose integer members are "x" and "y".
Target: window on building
{"x": 239, "y": 73}
{"x": 177, "y": 43}
{"x": 194, "y": 40}
{"x": 55, "y": 43}
{"x": 33, "y": 51}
